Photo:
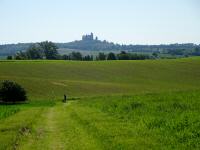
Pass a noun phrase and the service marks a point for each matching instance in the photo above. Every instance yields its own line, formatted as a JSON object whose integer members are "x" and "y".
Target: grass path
{"x": 57, "y": 130}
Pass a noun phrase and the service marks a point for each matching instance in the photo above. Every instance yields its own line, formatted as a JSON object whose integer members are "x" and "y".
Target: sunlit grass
{"x": 112, "y": 105}
{"x": 78, "y": 79}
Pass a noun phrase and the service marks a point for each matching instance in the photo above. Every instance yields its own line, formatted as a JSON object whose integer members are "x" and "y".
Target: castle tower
{"x": 92, "y": 36}
{"x": 89, "y": 37}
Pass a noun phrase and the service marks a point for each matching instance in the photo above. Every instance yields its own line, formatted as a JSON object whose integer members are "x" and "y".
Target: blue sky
{"x": 119, "y": 21}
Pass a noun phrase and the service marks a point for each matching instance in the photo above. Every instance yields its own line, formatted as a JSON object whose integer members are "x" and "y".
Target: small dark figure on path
{"x": 65, "y": 99}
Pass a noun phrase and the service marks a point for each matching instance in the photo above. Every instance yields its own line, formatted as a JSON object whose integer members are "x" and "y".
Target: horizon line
{"x": 174, "y": 43}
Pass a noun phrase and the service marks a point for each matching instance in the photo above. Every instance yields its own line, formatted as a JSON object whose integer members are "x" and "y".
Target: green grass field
{"x": 79, "y": 79}
{"x": 151, "y": 104}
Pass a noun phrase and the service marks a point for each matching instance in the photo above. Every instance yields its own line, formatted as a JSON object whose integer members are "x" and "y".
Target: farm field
{"x": 151, "y": 104}
{"x": 80, "y": 79}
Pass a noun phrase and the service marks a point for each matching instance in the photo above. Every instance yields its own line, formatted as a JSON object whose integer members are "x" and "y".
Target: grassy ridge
{"x": 102, "y": 78}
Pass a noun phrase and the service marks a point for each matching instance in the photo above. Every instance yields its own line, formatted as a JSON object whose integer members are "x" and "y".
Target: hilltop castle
{"x": 89, "y": 37}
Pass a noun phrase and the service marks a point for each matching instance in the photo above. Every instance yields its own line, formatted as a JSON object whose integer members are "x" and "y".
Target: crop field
{"x": 149, "y": 104}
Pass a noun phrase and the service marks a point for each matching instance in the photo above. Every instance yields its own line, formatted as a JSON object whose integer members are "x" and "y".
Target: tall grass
{"x": 157, "y": 121}
{"x": 6, "y": 111}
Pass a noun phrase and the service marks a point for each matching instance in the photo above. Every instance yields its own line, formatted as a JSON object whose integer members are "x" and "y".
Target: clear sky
{"x": 119, "y": 21}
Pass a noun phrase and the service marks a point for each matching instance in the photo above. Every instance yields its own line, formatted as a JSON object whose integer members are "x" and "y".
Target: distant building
{"x": 89, "y": 37}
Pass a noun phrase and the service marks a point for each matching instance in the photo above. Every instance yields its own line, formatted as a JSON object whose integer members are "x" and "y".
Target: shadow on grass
{"x": 13, "y": 103}
{"x": 73, "y": 98}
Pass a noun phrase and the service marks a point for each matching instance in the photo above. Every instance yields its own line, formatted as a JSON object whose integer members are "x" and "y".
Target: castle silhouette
{"x": 89, "y": 37}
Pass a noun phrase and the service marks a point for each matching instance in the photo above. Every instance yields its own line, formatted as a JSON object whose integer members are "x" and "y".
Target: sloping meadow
{"x": 46, "y": 80}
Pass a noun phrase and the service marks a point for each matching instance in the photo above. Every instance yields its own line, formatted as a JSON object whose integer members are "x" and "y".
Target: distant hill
{"x": 91, "y": 43}
{"x": 11, "y": 49}
{"x": 88, "y": 42}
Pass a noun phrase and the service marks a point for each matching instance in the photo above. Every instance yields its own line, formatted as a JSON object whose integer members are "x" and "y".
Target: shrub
{"x": 12, "y": 92}
{"x": 9, "y": 57}
{"x": 111, "y": 56}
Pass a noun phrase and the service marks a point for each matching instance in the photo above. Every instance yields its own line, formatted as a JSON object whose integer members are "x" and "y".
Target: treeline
{"x": 184, "y": 52}
{"x": 102, "y": 56}
{"x": 98, "y": 45}
{"x": 48, "y": 50}
{"x": 42, "y": 50}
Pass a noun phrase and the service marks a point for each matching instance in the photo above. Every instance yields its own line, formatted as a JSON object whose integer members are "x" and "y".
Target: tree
{"x": 155, "y": 54}
{"x": 124, "y": 56}
{"x": 49, "y": 49}
{"x": 76, "y": 56}
{"x": 101, "y": 56}
{"x": 65, "y": 57}
{"x": 139, "y": 57}
{"x": 34, "y": 52}
{"x": 111, "y": 56}
{"x": 21, "y": 55}
{"x": 88, "y": 58}
{"x": 12, "y": 92}
{"x": 196, "y": 51}
{"x": 9, "y": 57}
